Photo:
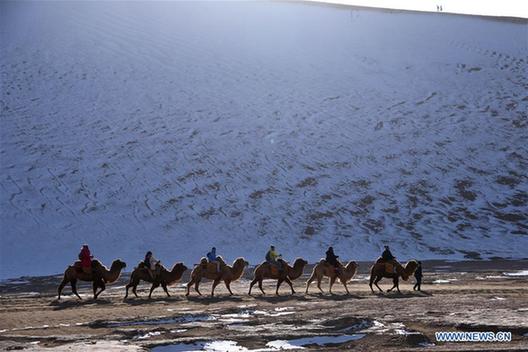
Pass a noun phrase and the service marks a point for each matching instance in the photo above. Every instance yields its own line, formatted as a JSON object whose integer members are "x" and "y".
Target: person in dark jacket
{"x": 418, "y": 275}
{"x": 331, "y": 259}
{"x": 151, "y": 264}
{"x": 387, "y": 255}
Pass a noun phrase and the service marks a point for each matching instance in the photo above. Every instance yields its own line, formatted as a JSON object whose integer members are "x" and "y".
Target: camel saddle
{"x": 274, "y": 270}
{"x": 79, "y": 268}
{"x": 213, "y": 268}
{"x": 330, "y": 266}
{"x": 390, "y": 265}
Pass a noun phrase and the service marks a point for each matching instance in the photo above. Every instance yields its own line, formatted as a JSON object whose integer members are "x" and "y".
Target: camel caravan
{"x": 214, "y": 268}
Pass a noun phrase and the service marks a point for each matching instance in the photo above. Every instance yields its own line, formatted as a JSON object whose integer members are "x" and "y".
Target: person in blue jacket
{"x": 212, "y": 258}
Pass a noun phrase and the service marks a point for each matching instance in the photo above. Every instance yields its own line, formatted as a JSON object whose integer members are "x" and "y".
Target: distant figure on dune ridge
{"x": 418, "y": 275}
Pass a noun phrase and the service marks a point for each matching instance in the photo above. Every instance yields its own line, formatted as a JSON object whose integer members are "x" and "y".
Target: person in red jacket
{"x": 86, "y": 259}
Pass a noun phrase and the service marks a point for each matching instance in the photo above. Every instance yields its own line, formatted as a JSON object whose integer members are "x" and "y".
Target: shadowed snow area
{"x": 178, "y": 126}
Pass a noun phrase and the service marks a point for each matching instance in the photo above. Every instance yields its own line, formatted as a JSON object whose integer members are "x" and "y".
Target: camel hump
{"x": 96, "y": 264}
{"x": 203, "y": 261}
{"x": 322, "y": 261}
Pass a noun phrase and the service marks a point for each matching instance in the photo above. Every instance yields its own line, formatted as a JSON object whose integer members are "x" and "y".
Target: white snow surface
{"x": 177, "y": 126}
{"x": 509, "y": 8}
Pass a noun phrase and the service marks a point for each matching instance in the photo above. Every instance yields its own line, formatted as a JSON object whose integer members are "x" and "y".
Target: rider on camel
{"x": 331, "y": 259}
{"x": 275, "y": 259}
{"x": 151, "y": 264}
{"x": 86, "y": 259}
{"x": 212, "y": 258}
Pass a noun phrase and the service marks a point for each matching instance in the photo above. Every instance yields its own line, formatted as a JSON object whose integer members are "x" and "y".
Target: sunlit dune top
{"x": 509, "y": 8}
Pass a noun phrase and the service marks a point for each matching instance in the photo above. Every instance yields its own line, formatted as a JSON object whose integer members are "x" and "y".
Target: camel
{"x": 325, "y": 269}
{"x": 378, "y": 271}
{"x": 227, "y": 274}
{"x": 164, "y": 278}
{"x": 265, "y": 271}
{"x": 72, "y": 274}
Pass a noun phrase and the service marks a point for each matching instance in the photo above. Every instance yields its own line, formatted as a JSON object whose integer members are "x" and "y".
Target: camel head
{"x": 299, "y": 263}
{"x": 179, "y": 267}
{"x": 240, "y": 262}
{"x": 118, "y": 264}
{"x": 409, "y": 269}
{"x": 351, "y": 265}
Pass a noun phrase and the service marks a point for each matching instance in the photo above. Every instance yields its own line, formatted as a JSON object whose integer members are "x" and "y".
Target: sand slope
{"x": 177, "y": 126}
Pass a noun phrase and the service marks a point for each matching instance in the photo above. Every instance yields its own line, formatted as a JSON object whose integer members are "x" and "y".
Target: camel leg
{"x": 153, "y": 287}
{"x": 61, "y": 286}
{"x": 378, "y": 278}
{"x": 132, "y": 284}
{"x": 102, "y": 286}
{"x": 74, "y": 288}
{"x": 397, "y": 284}
{"x": 331, "y": 283}
{"x": 260, "y": 287}
{"x": 189, "y": 284}
{"x": 288, "y": 281}
{"x": 251, "y": 285}
{"x": 197, "y": 286}
{"x": 279, "y": 282}
{"x": 215, "y": 283}
{"x": 228, "y": 285}
{"x": 345, "y": 284}
{"x": 394, "y": 284}
{"x": 312, "y": 278}
{"x": 319, "y": 284}
{"x": 134, "y": 291}
{"x": 165, "y": 289}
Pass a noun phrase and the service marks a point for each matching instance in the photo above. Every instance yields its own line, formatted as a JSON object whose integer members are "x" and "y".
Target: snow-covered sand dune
{"x": 175, "y": 126}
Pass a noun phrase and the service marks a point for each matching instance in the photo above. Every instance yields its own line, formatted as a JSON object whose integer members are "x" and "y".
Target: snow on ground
{"x": 176, "y": 126}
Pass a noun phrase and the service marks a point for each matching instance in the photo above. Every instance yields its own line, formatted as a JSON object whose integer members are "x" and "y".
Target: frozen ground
{"x": 178, "y": 126}
{"x": 481, "y": 298}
